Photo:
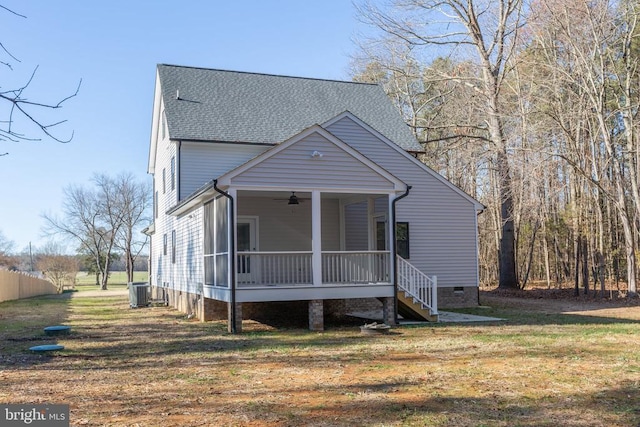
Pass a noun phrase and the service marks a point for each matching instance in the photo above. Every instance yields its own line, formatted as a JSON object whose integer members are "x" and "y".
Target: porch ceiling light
{"x": 293, "y": 200}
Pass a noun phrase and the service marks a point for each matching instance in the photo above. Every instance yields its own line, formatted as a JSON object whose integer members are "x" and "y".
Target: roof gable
{"x": 313, "y": 159}
{"x": 348, "y": 115}
{"x": 215, "y": 105}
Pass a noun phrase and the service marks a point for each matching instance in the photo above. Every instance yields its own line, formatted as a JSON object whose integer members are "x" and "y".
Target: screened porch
{"x": 298, "y": 240}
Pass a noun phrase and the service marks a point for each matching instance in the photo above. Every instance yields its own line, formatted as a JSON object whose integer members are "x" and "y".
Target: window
{"x": 164, "y": 181}
{"x": 164, "y": 244}
{"x": 173, "y": 173}
{"x": 402, "y": 239}
{"x": 173, "y": 247}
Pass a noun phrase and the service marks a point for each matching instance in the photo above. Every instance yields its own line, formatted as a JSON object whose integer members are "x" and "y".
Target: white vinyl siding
{"x": 284, "y": 227}
{"x": 356, "y": 230}
{"x": 334, "y": 169}
{"x": 163, "y": 272}
{"x": 201, "y": 162}
{"x": 441, "y": 221}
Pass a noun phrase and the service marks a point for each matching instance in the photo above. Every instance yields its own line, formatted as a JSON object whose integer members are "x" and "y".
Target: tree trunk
{"x": 545, "y": 250}
{"x": 508, "y": 275}
{"x": 576, "y": 278}
{"x": 129, "y": 264}
{"x": 584, "y": 250}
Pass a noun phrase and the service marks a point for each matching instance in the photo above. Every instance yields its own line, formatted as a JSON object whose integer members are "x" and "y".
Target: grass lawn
{"x": 153, "y": 367}
{"x": 117, "y": 280}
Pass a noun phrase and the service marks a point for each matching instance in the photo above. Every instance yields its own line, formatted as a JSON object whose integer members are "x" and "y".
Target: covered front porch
{"x": 298, "y": 245}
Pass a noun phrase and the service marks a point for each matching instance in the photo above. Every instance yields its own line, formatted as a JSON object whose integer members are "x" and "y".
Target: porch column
{"x": 316, "y": 315}
{"x": 389, "y": 311}
{"x": 316, "y": 238}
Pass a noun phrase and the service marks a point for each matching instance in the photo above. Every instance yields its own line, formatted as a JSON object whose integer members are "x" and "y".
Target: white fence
{"x": 17, "y": 285}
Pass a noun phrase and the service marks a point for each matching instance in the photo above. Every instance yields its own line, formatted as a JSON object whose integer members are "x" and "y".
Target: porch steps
{"x": 410, "y": 308}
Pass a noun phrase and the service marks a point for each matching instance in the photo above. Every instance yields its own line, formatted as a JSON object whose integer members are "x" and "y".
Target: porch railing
{"x": 422, "y": 288}
{"x": 355, "y": 267}
{"x": 274, "y": 268}
{"x": 296, "y": 268}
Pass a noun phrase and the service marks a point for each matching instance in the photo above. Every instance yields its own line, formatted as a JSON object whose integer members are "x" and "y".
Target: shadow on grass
{"x": 22, "y": 324}
{"x": 113, "y": 336}
{"x": 615, "y": 406}
{"x": 109, "y": 336}
{"x": 514, "y": 316}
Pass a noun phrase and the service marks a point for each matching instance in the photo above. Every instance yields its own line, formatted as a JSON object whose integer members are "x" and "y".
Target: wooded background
{"x": 532, "y": 108}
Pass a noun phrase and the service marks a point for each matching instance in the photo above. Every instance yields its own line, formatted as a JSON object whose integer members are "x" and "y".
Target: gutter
{"x": 392, "y": 230}
{"x": 232, "y": 254}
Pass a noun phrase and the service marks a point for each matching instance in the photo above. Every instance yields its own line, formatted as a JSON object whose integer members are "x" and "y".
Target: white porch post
{"x": 391, "y": 228}
{"x": 231, "y": 237}
{"x": 316, "y": 237}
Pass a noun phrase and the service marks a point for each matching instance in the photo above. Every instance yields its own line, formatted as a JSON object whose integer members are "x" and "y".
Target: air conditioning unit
{"x": 139, "y": 294}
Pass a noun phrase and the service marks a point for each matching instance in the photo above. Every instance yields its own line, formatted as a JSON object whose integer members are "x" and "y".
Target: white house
{"x": 280, "y": 189}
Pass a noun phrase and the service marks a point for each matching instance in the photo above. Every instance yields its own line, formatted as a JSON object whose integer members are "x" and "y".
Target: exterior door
{"x": 381, "y": 233}
{"x": 246, "y": 242}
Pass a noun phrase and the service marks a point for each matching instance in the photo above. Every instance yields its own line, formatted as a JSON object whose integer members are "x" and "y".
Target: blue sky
{"x": 113, "y": 47}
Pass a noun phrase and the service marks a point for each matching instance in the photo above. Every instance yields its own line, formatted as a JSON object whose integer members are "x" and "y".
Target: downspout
{"x": 232, "y": 253}
{"x": 392, "y": 227}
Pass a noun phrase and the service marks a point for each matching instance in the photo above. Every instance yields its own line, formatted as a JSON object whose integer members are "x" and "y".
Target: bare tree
{"x": 59, "y": 268}
{"x": 102, "y": 219}
{"x": 490, "y": 30}
{"x": 6, "y": 247}
{"x": 135, "y": 202}
{"x": 588, "y": 48}
{"x": 83, "y": 222}
{"x": 18, "y": 110}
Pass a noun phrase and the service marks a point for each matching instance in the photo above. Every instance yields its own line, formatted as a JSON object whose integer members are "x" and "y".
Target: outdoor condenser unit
{"x": 138, "y": 294}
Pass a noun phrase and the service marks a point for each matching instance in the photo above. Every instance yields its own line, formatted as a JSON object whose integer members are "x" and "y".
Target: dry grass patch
{"x": 151, "y": 366}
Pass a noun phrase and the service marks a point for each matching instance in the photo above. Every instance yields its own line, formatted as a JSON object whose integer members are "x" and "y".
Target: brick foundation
{"x": 360, "y": 304}
{"x": 185, "y": 302}
{"x": 389, "y": 311}
{"x": 316, "y": 315}
{"x": 213, "y": 310}
{"x": 457, "y": 297}
{"x": 301, "y": 314}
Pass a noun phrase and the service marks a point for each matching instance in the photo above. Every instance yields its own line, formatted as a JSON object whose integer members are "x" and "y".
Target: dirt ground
{"x": 563, "y": 300}
{"x": 154, "y": 367}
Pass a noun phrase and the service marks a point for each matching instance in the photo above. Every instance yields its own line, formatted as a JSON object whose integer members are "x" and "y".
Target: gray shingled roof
{"x": 230, "y": 106}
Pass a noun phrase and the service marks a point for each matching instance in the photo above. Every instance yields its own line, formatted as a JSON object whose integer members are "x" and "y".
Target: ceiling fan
{"x": 293, "y": 199}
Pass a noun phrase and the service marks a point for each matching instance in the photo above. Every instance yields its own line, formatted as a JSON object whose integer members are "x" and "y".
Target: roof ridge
{"x": 267, "y": 74}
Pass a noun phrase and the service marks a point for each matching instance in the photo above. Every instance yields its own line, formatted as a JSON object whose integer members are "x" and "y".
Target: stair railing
{"x": 422, "y": 288}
